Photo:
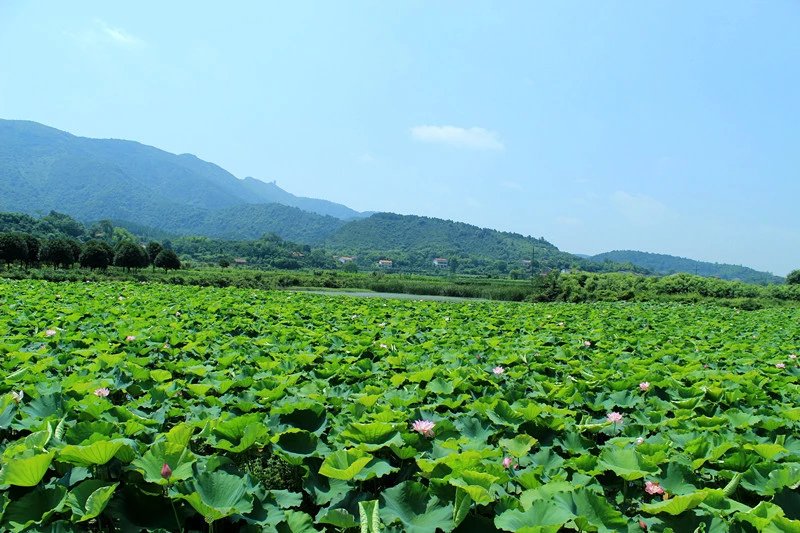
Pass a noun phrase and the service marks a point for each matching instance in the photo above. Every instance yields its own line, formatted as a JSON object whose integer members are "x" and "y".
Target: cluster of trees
{"x": 270, "y": 251}
{"x": 63, "y": 252}
{"x": 61, "y": 241}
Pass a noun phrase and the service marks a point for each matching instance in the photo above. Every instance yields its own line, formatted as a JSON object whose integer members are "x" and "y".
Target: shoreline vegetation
{"x": 554, "y": 286}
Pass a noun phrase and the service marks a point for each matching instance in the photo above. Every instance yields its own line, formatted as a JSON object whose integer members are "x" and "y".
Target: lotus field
{"x": 146, "y": 407}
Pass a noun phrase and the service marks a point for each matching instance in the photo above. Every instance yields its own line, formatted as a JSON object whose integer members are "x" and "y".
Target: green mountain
{"x": 43, "y": 169}
{"x": 414, "y": 241}
{"x": 670, "y": 264}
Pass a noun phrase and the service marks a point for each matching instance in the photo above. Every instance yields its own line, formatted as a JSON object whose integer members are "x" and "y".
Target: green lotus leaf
{"x": 375, "y": 468}
{"x": 766, "y": 450}
{"x": 542, "y": 517}
{"x": 179, "y": 458}
{"x": 339, "y": 518}
{"x": 519, "y": 446}
{"x": 767, "y": 479}
{"x": 89, "y": 498}
{"x": 626, "y": 463}
{"x": 461, "y": 506}
{"x": 296, "y": 522}
{"x": 25, "y": 471}
{"x": 369, "y": 516}
{"x": 592, "y": 511}
{"x": 372, "y": 436}
{"x": 238, "y": 434}
{"x": 35, "y": 507}
{"x": 418, "y": 511}
{"x": 216, "y": 495}
{"x": 96, "y": 453}
{"x": 160, "y": 375}
{"x": 678, "y": 504}
{"x": 299, "y": 443}
{"x": 309, "y": 417}
{"x": 344, "y": 464}
{"x": 769, "y": 518}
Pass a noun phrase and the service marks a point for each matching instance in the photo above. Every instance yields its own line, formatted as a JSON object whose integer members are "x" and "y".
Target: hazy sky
{"x": 668, "y": 127}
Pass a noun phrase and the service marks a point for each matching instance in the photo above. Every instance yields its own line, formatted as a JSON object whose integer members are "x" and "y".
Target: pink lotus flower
{"x": 508, "y": 462}
{"x": 639, "y": 441}
{"x": 792, "y": 356}
{"x": 130, "y": 338}
{"x": 614, "y": 417}
{"x": 102, "y": 392}
{"x": 780, "y": 365}
{"x": 587, "y": 343}
{"x": 498, "y": 370}
{"x": 50, "y": 333}
{"x": 651, "y": 487}
{"x": 166, "y": 471}
{"x": 423, "y": 427}
{"x": 644, "y": 386}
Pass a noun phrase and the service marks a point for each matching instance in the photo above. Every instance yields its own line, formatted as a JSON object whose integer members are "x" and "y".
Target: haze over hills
{"x": 670, "y": 264}
{"x": 44, "y": 169}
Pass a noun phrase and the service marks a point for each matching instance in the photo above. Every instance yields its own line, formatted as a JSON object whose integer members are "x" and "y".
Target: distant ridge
{"x": 42, "y": 168}
{"x": 670, "y": 264}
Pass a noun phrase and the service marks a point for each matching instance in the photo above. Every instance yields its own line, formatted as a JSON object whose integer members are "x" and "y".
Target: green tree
{"x": 34, "y": 245}
{"x": 13, "y": 247}
{"x": 57, "y": 251}
{"x": 64, "y": 224}
{"x": 224, "y": 262}
{"x": 453, "y": 263}
{"x": 168, "y": 260}
{"x": 793, "y": 278}
{"x": 104, "y": 230}
{"x": 96, "y": 254}
{"x": 153, "y": 249}
{"x": 130, "y": 255}
{"x": 77, "y": 248}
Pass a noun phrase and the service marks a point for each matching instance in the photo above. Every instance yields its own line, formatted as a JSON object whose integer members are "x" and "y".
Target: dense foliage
{"x": 128, "y": 406}
{"x": 669, "y": 264}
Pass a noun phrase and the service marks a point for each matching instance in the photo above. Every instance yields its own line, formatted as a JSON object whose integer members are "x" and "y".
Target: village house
{"x": 345, "y": 259}
{"x": 440, "y": 262}
{"x": 385, "y": 263}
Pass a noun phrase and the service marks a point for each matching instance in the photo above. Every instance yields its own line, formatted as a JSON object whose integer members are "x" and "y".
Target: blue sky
{"x": 669, "y": 127}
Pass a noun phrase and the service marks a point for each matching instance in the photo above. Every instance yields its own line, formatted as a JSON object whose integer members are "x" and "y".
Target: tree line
{"x": 63, "y": 252}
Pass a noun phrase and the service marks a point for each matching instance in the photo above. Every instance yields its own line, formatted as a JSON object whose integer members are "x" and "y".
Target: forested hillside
{"x": 670, "y": 264}
{"x": 43, "y": 169}
{"x": 412, "y": 242}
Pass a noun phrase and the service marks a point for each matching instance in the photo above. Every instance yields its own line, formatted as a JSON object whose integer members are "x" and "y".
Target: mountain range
{"x": 670, "y": 264}
{"x": 44, "y": 169}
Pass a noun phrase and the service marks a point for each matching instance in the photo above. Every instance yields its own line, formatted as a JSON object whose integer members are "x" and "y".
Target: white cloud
{"x": 638, "y": 208}
{"x": 474, "y": 138}
{"x": 366, "y": 158}
{"x": 101, "y": 33}
{"x": 118, "y": 35}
